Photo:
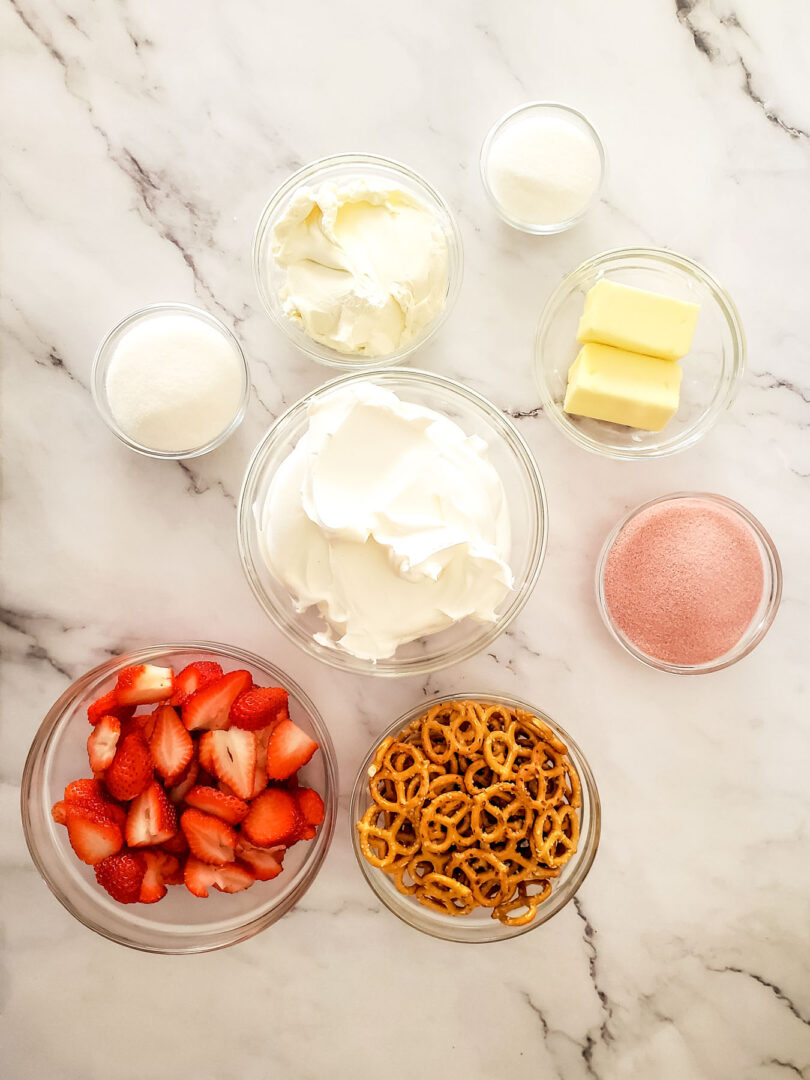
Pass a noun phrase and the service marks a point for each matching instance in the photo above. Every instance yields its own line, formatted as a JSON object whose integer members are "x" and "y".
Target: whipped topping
{"x": 389, "y": 520}
{"x": 366, "y": 263}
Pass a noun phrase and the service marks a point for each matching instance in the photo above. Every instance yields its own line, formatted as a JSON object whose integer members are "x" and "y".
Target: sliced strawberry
{"x": 172, "y": 870}
{"x": 192, "y": 678}
{"x": 233, "y": 756}
{"x": 171, "y": 745}
{"x": 310, "y": 804}
{"x": 205, "y": 751}
{"x": 306, "y": 832}
{"x": 259, "y": 781}
{"x": 177, "y": 845}
{"x": 144, "y": 684}
{"x": 109, "y": 705}
{"x": 92, "y": 836}
{"x": 59, "y": 812}
{"x": 79, "y": 791}
{"x": 122, "y": 876}
{"x": 273, "y": 818}
{"x": 131, "y": 770}
{"x": 160, "y": 867}
{"x": 288, "y": 748}
{"x": 185, "y": 782}
{"x": 208, "y": 708}
{"x": 211, "y": 801}
{"x": 258, "y": 707}
{"x": 102, "y": 741}
{"x": 90, "y": 795}
{"x": 264, "y": 862}
{"x": 144, "y": 723}
{"x": 151, "y": 818}
{"x": 200, "y": 876}
{"x": 233, "y": 878}
{"x": 209, "y": 838}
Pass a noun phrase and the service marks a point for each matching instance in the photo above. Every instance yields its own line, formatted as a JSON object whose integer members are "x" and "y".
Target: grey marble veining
{"x": 140, "y": 142}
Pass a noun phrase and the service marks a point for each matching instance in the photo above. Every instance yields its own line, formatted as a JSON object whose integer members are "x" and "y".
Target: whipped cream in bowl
{"x": 392, "y": 522}
{"x": 358, "y": 260}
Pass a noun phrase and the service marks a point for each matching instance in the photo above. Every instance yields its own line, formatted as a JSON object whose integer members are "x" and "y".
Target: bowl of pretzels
{"x": 475, "y": 819}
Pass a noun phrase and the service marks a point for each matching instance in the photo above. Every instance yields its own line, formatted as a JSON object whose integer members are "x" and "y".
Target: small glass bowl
{"x": 759, "y": 625}
{"x": 180, "y": 922}
{"x": 270, "y": 277}
{"x": 712, "y": 370}
{"x": 479, "y": 926}
{"x": 507, "y": 452}
{"x": 104, "y": 355}
{"x": 543, "y": 109}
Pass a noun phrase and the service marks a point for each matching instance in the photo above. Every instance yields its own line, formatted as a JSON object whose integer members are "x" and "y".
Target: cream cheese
{"x": 367, "y": 265}
{"x": 387, "y": 519}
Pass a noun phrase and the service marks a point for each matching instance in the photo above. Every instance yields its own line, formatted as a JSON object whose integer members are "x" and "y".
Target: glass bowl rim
{"x": 584, "y": 855}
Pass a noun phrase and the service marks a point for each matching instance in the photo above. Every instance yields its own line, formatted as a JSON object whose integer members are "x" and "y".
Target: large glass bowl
{"x": 507, "y": 452}
{"x": 270, "y": 277}
{"x": 711, "y": 371}
{"x": 479, "y": 926}
{"x": 180, "y": 922}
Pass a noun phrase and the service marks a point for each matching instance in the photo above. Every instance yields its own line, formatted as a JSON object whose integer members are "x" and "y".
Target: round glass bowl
{"x": 479, "y": 926}
{"x": 712, "y": 370}
{"x": 507, "y": 452}
{"x": 762, "y": 619}
{"x": 180, "y": 922}
{"x": 543, "y": 110}
{"x": 106, "y": 351}
{"x": 270, "y": 278}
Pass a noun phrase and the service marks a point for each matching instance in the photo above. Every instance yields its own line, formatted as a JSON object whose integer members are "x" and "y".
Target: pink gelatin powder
{"x": 683, "y": 580}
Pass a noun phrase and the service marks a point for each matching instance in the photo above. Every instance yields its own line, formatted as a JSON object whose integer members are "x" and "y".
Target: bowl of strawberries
{"x": 180, "y": 798}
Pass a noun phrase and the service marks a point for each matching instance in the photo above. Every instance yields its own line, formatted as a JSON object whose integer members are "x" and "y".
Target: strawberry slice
{"x": 288, "y": 748}
{"x": 264, "y": 862}
{"x": 89, "y": 795}
{"x": 92, "y": 836}
{"x": 209, "y": 838}
{"x": 259, "y": 781}
{"x": 177, "y": 845}
{"x": 144, "y": 684}
{"x": 211, "y": 801}
{"x": 205, "y": 751}
{"x": 233, "y": 757}
{"x": 306, "y": 832}
{"x": 192, "y": 678}
{"x": 160, "y": 868}
{"x": 258, "y": 707}
{"x": 145, "y": 724}
{"x": 273, "y": 818}
{"x": 200, "y": 876}
{"x": 311, "y": 805}
{"x": 185, "y": 782}
{"x": 151, "y": 818}
{"x": 208, "y": 708}
{"x": 59, "y": 812}
{"x": 108, "y": 705}
{"x": 171, "y": 745}
{"x": 102, "y": 741}
{"x": 122, "y": 876}
{"x": 131, "y": 770}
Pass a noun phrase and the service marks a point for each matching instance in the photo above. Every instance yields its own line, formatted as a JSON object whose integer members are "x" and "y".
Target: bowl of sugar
{"x": 171, "y": 381}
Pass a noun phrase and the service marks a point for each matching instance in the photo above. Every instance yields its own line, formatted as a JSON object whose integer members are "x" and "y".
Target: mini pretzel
{"x": 437, "y": 824}
{"x": 555, "y": 836}
{"x": 445, "y": 894}
{"x": 524, "y": 900}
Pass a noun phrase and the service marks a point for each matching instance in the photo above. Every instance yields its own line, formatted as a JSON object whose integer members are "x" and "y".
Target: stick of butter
{"x": 637, "y": 320}
{"x": 623, "y": 387}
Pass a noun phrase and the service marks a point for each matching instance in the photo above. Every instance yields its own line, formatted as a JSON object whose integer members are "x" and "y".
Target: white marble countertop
{"x": 140, "y": 142}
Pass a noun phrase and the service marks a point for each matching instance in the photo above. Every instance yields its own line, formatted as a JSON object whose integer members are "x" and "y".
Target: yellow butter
{"x": 623, "y": 387}
{"x": 637, "y": 320}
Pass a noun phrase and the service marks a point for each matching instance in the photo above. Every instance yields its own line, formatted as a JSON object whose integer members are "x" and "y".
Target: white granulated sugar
{"x": 543, "y": 170}
{"x": 174, "y": 383}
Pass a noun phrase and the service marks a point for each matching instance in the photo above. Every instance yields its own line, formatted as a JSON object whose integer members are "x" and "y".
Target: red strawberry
{"x": 194, "y": 677}
{"x": 306, "y": 832}
{"x": 171, "y": 745}
{"x": 145, "y": 724}
{"x": 273, "y": 818}
{"x": 90, "y": 795}
{"x": 259, "y": 707}
{"x": 151, "y": 818}
{"x": 211, "y": 801}
{"x": 205, "y": 751}
{"x": 185, "y": 782}
{"x": 109, "y": 705}
{"x": 59, "y": 812}
{"x": 92, "y": 835}
{"x": 310, "y": 804}
{"x": 259, "y": 781}
{"x": 233, "y": 756}
{"x": 144, "y": 684}
{"x": 122, "y": 876}
{"x": 160, "y": 867}
{"x": 209, "y": 838}
{"x": 200, "y": 876}
{"x": 131, "y": 770}
{"x": 288, "y": 748}
{"x": 102, "y": 741}
{"x": 208, "y": 708}
{"x": 264, "y": 862}
{"x": 177, "y": 845}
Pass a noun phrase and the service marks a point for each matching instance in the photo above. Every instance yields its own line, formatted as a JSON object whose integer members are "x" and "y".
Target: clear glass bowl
{"x": 712, "y": 370}
{"x": 507, "y": 452}
{"x": 479, "y": 926}
{"x": 759, "y": 625}
{"x": 541, "y": 109}
{"x": 270, "y": 277}
{"x": 104, "y": 354}
{"x": 180, "y": 923}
